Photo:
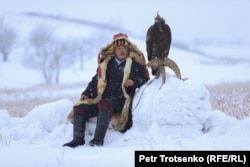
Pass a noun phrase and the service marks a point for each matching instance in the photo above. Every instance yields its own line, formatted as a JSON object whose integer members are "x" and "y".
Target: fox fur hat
{"x": 121, "y": 39}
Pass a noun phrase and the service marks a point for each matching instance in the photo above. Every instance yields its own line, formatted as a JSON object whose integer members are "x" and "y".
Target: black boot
{"x": 78, "y": 132}
{"x": 102, "y": 124}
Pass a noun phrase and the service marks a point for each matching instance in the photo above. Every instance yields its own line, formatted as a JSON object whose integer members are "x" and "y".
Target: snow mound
{"x": 5, "y": 119}
{"x": 49, "y": 115}
{"x": 39, "y": 124}
{"x": 178, "y": 108}
{"x": 219, "y": 123}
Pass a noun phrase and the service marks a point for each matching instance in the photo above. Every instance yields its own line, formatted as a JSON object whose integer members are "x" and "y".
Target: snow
{"x": 176, "y": 117}
{"x": 190, "y": 104}
{"x": 38, "y": 114}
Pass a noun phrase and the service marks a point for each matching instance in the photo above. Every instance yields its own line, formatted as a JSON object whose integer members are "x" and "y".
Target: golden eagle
{"x": 158, "y": 43}
{"x": 158, "y": 39}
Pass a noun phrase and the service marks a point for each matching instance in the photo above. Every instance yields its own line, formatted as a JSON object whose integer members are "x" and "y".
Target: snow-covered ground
{"x": 176, "y": 117}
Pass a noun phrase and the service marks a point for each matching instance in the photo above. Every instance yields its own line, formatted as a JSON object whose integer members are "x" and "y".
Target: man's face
{"x": 121, "y": 52}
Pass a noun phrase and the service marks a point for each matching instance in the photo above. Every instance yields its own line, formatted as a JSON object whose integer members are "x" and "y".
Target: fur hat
{"x": 120, "y": 36}
{"x": 120, "y": 40}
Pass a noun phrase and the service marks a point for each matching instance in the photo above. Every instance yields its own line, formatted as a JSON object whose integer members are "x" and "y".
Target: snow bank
{"x": 49, "y": 115}
{"x": 176, "y": 109}
{"x": 219, "y": 123}
{"x": 43, "y": 121}
{"x": 5, "y": 119}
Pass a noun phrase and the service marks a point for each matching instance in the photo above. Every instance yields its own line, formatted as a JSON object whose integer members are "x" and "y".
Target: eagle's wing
{"x": 149, "y": 42}
{"x": 166, "y": 37}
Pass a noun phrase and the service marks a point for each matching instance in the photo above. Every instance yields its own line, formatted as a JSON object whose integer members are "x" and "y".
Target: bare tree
{"x": 81, "y": 48}
{"x": 37, "y": 55}
{"x": 63, "y": 56}
{"x": 47, "y": 53}
{"x": 86, "y": 48}
{"x": 8, "y": 37}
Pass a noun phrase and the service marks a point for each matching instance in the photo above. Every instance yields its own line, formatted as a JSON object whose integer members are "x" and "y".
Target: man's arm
{"x": 91, "y": 90}
{"x": 138, "y": 75}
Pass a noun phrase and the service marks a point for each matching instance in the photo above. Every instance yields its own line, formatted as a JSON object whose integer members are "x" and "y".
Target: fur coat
{"x": 119, "y": 120}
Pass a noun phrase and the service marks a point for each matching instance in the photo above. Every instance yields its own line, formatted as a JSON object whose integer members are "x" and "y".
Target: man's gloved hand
{"x": 129, "y": 82}
{"x": 83, "y": 97}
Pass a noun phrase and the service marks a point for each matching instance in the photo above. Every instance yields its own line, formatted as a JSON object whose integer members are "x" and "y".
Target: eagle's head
{"x": 159, "y": 21}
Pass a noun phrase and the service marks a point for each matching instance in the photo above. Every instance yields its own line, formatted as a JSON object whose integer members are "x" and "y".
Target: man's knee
{"x": 87, "y": 111}
{"x": 105, "y": 105}
{"x": 79, "y": 110}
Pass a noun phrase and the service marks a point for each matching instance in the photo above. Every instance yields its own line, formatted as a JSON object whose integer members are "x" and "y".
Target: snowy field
{"x": 211, "y": 45}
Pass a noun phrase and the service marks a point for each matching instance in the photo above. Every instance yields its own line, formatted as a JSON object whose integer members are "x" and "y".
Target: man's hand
{"x": 83, "y": 97}
{"x": 129, "y": 82}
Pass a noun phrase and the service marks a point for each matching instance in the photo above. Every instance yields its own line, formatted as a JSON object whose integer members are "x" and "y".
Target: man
{"x": 121, "y": 70}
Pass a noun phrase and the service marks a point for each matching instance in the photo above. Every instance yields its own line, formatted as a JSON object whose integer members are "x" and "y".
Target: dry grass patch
{"x": 231, "y": 98}
{"x": 21, "y": 101}
{"x": 21, "y": 107}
